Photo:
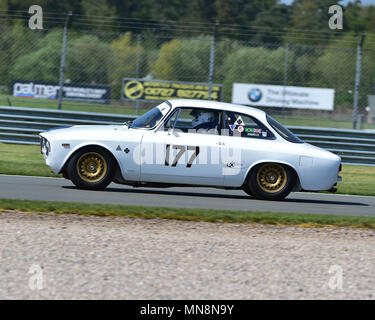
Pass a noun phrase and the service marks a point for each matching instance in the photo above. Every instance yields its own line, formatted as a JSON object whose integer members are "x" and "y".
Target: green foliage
{"x": 164, "y": 65}
{"x": 252, "y": 65}
{"x": 88, "y": 60}
{"x": 43, "y": 63}
{"x": 99, "y": 8}
{"x": 4, "y": 5}
{"x": 106, "y": 59}
{"x": 335, "y": 68}
{"x": 190, "y": 57}
{"x": 124, "y": 52}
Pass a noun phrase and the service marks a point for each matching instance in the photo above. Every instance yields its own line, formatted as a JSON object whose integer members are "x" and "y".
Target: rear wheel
{"x": 270, "y": 181}
{"x": 91, "y": 169}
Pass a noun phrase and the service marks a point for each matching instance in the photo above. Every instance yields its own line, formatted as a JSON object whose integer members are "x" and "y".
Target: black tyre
{"x": 65, "y": 174}
{"x": 91, "y": 168}
{"x": 270, "y": 181}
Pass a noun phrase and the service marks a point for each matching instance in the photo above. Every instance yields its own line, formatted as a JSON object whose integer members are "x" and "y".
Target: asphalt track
{"x": 58, "y": 189}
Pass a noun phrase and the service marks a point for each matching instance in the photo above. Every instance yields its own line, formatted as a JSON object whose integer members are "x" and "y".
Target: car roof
{"x": 210, "y": 104}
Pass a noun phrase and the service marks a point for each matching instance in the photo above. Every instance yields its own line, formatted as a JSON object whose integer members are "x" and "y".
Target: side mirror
{"x": 170, "y": 130}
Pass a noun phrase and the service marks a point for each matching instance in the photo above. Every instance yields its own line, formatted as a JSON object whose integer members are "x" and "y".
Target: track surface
{"x": 118, "y": 258}
{"x": 57, "y": 189}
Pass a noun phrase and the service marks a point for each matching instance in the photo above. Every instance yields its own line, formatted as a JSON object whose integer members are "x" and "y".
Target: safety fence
{"x": 31, "y": 61}
{"x": 23, "y": 125}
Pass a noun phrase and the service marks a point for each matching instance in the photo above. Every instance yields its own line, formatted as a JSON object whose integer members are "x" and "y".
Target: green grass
{"x": 357, "y": 180}
{"x": 23, "y": 160}
{"x": 27, "y": 160}
{"x": 274, "y": 218}
{"x": 319, "y": 122}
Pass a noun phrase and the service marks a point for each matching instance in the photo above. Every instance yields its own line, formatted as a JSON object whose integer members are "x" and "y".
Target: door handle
{"x": 220, "y": 143}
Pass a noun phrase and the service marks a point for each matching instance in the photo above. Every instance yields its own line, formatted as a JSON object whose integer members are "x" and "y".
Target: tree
{"x": 124, "y": 53}
{"x": 354, "y": 19}
{"x": 101, "y": 8}
{"x": 310, "y": 22}
{"x": 164, "y": 65}
{"x": 275, "y": 18}
{"x": 89, "y": 60}
{"x": 253, "y": 65}
{"x": 168, "y": 9}
{"x": 335, "y": 68}
{"x": 41, "y": 64}
{"x": 200, "y": 11}
{"x": 240, "y": 11}
{"x": 62, "y": 6}
{"x": 4, "y": 5}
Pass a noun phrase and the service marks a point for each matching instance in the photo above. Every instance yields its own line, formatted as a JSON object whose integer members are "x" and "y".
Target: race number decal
{"x": 182, "y": 150}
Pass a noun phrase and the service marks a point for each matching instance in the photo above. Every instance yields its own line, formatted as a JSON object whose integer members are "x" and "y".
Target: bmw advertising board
{"x": 283, "y": 96}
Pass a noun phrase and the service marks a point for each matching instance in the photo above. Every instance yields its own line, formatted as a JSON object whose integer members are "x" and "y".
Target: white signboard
{"x": 283, "y": 96}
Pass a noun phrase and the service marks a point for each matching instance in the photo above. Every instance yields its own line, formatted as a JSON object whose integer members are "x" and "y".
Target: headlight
{"x": 45, "y": 146}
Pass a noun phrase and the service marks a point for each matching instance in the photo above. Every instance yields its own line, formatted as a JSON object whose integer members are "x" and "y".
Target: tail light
{"x": 340, "y": 167}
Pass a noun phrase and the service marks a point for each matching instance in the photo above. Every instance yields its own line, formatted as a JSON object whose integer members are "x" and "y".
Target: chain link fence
{"x": 104, "y": 58}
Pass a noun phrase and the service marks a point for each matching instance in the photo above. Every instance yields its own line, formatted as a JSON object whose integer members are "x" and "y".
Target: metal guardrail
{"x": 22, "y": 125}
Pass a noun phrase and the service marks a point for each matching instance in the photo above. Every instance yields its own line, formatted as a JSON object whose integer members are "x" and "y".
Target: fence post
{"x": 212, "y": 62}
{"x": 286, "y": 66}
{"x": 62, "y": 63}
{"x": 357, "y": 80}
{"x": 137, "y": 69}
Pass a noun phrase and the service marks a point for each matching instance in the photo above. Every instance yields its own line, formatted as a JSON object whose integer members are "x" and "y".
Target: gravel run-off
{"x": 90, "y": 257}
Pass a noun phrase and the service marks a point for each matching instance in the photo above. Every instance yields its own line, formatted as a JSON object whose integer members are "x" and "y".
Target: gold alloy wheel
{"x": 91, "y": 167}
{"x": 272, "y": 177}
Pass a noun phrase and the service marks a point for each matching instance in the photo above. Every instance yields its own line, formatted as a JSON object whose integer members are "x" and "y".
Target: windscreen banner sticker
{"x": 159, "y": 90}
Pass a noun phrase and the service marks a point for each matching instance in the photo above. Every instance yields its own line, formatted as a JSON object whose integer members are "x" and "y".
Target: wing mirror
{"x": 171, "y": 129}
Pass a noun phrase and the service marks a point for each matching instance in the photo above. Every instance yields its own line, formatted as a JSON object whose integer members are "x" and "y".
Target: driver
{"x": 204, "y": 119}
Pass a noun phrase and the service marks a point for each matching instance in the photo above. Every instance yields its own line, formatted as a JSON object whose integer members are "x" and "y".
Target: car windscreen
{"x": 150, "y": 118}
{"x": 283, "y": 131}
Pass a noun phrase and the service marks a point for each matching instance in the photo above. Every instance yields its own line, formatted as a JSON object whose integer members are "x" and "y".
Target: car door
{"x": 177, "y": 153}
{"x": 247, "y": 141}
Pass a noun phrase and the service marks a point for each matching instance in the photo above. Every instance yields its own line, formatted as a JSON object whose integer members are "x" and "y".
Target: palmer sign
{"x": 74, "y": 92}
{"x": 260, "y": 95}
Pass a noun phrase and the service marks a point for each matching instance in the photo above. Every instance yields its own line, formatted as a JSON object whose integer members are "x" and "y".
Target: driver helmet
{"x": 201, "y": 116}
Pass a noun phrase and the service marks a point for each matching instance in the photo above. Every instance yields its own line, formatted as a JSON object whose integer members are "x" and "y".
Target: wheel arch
{"x": 118, "y": 168}
{"x": 259, "y": 163}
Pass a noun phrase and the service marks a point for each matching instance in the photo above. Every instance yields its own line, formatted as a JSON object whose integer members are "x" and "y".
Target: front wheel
{"x": 91, "y": 169}
{"x": 270, "y": 181}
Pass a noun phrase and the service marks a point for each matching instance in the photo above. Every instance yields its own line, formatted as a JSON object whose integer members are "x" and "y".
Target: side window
{"x": 171, "y": 120}
{"x": 241, "y": 125}
{"x": 196, "y": 120}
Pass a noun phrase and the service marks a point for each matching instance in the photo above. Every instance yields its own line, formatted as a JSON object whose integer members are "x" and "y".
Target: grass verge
{"x": 68, "y": 105}
{"x": 207, "y": 215}
{"x": 23, "y": 160}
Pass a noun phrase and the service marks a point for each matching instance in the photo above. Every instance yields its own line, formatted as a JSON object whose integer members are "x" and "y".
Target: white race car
{"x": 192, "y": 143}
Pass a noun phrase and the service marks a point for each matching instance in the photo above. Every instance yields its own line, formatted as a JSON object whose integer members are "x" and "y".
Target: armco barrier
{"x": 22, "y": 125}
